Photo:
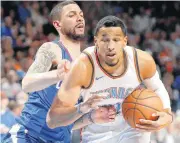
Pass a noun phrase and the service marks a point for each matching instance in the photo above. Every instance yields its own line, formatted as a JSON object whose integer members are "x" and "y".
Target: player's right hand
{"x": 62, "y": 68}
{"x": 104, "y": 114}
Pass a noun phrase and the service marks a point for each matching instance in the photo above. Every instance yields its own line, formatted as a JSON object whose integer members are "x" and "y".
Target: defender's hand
{"x": 62, "y": 68}
{"x": 91, "y": 103}
{"x": 104, "y": 114}
{"x": 151, "y": 126}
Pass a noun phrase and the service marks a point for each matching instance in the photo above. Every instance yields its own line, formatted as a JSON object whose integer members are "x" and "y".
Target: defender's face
{"x": 72, "y": 21}
{"x": 109, "y": 42}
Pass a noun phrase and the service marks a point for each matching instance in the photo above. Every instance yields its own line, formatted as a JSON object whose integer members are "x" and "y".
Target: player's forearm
{"x": 60, "y": 116}
{"x": 38, "y": 81}
{"x": 82, "y": 122}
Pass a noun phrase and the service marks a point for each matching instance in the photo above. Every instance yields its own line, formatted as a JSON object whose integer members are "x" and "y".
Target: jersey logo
{"x": 97, "y": 78}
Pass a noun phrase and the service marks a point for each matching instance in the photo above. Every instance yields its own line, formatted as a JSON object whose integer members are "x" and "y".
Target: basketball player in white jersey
{"x": 113, "y": 69}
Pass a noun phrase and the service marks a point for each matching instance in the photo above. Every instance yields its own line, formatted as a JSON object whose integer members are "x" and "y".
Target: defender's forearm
{"x": 38, "y": 81}
{"x": 82, "y": 122}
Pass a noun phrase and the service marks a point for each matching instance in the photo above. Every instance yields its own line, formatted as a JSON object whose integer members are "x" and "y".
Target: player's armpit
{"x": 147, "y": 64}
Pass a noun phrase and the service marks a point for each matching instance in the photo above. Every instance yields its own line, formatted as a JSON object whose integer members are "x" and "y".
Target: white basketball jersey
{"x": 114, "y": 87}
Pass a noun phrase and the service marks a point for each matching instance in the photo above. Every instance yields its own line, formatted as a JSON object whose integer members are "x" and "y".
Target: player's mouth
{"x": 111, "y": 55}
{"x": 80, "y": 26}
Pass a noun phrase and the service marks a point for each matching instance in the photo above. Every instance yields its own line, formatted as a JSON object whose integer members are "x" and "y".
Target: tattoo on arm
{"x": 43, "y": 60}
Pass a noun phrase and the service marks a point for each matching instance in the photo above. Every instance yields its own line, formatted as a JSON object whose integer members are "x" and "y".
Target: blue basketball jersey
{"x": 33, "y": 116}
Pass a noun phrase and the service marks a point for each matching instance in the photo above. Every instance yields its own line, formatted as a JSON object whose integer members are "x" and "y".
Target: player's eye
{"x": 71, "y": 14}
{"x": 105, "y": 39}
{"x": 116, "y": 39}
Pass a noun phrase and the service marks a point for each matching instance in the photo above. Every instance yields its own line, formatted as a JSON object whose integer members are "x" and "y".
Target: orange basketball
{"x": 141, "y": 104}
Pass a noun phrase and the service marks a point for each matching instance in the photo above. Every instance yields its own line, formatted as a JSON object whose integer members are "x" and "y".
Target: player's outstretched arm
{"x": 38, "y": 76}
{"x": 152, "y": 81}
{"x": 63, "y": 110}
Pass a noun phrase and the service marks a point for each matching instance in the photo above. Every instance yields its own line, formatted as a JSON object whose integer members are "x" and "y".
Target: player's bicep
{"x": 147, "y": 65}
{"x": 43, "y": 60}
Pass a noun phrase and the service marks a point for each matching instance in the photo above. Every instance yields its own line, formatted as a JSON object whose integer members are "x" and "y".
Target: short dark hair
{"x": 110, "y": 21}
{"x": 56, "y": 11}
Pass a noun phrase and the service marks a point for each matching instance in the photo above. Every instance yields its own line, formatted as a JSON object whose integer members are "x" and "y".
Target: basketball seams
{"x": 133, "y": 113}
{"x": 142, "y": 98}
{"x": 146, "y": 97}
{"x": 135, "y": 106}
{"x": 142, "y": 105}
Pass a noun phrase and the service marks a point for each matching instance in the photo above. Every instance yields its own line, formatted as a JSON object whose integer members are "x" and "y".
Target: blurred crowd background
{"x": 152, "y": 26}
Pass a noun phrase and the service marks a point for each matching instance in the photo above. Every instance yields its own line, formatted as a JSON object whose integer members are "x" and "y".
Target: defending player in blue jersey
{"x": 43, "y": 80}
{"x": 45, "y": 75}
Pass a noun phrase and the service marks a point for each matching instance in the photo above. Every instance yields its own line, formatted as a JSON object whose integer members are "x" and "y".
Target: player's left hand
{"x": 151, "y": 126}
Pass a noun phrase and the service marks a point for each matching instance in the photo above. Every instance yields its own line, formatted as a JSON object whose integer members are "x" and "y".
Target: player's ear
{"x": 125, "y": 40}
{"x": 57, "y": 24}
{"x": 95, "y": 41}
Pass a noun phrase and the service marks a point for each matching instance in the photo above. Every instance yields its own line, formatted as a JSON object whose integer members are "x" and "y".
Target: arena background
{"x": 152, "y": 26}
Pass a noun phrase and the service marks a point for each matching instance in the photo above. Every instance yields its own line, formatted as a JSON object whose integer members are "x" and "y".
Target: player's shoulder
{"x": 86, "y": 53}
{"x": 144, "y": 56}
{"x": 146, "y": 63}
{"x": 49, "y": 45}
{"x": 84, "y": 60}
{"x": 89, "y": 50}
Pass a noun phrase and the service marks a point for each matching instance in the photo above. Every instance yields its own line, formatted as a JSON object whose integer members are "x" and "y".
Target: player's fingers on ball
{"x": 143, "y": 121}
{"x": 159, "y": 114}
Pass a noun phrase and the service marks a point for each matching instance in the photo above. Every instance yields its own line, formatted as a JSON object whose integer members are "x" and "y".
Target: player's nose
{"x": 111, "y": 46}
{"x": 80, "y": 18}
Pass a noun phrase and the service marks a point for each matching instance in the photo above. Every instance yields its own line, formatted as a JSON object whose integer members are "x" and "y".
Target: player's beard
{"x": 71, "y": 33}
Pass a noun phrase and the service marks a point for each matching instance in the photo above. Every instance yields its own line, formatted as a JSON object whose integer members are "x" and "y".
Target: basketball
{"x": 141, "y": 104}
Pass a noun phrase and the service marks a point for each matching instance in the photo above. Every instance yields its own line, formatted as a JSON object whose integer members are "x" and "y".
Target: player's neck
{"x": 69, "y": 43}
{"x": 73, "y": 46}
